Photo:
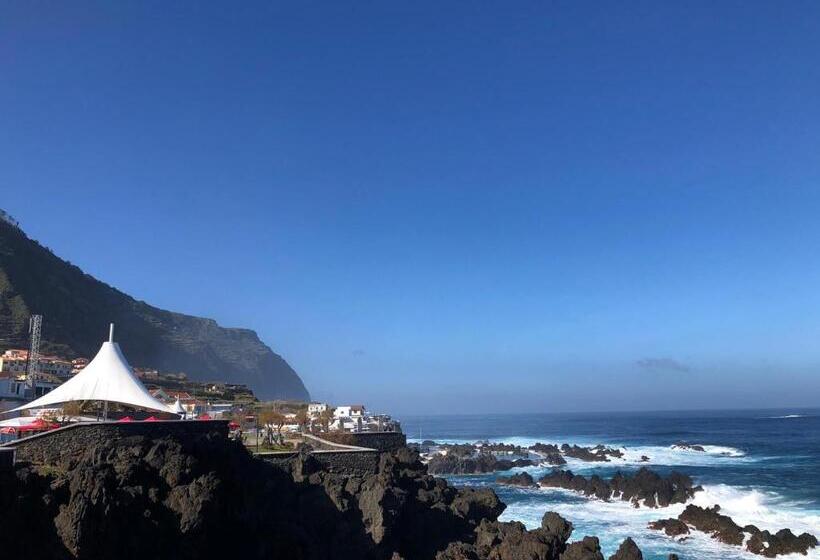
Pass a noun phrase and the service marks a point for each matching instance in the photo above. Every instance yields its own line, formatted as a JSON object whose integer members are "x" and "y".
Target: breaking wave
{"x": 613, "y": 521}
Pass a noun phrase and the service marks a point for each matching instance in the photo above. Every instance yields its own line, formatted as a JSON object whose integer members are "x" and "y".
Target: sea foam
{"x": 613, "y": 521}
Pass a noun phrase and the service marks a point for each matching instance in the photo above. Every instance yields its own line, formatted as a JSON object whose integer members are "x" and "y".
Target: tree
{"x": 271, "y": 419}
{"x": 302, "y": 419}
{"x": 70, "y": 410}
{"x": 326, "y": 417}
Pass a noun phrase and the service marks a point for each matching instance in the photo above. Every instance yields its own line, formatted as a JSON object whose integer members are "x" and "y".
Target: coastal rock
{"x": 597, "y": 454}
{"x": 645, "y": 487}
{"x": 496, "y": 540}
{"x": 782, "y": 542}
{"x": 139, "y": 497}
{"x": 627, "y": 551}
{"x": 682, "y": 445}
{"x": 724, "y": 529}
{"x": 672, "y": 527}
{"x": 481, "y": 463}
{"x": 521, "y": 479}
{"x": 589, "y": 548}
{"x": 550, "y": 454}
{"x": 708, "y": 520}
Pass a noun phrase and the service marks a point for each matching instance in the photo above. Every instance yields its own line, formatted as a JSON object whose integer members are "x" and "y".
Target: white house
{"x": 350, "y": 411}
{"x": 316, "y": 409}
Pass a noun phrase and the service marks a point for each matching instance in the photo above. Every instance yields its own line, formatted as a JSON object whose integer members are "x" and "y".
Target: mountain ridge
{"x": 77, "y": 309}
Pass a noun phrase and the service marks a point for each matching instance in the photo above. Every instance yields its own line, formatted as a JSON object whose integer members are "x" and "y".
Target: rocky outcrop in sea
{"x": 496, "y": 540}
{"x": 597, "y": 454}
{"x": 724, "y": 529}
{"x": 452, "y": 463}
{"x": 644, "y": 488}
{"x": 523, "y": 479}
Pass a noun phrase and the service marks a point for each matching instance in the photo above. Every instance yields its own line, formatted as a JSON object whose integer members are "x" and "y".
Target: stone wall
{"x": 50, "y": 447}
{"x": 342, "y": 461}
{"x": 381, "y": 441}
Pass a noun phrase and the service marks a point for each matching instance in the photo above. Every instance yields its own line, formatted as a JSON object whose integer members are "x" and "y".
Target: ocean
{"x": 761, "y": 466}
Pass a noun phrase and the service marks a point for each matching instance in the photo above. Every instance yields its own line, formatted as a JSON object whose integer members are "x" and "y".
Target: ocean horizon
{"x": 760, "y": 465}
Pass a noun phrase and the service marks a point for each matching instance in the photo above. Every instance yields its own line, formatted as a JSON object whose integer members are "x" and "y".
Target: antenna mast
{"x": 35, "y": 325}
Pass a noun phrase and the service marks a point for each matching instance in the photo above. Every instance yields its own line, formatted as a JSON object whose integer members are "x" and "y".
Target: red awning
{"x": 203, "y": 417}
{"x": 38, "y": 425}
{"x": 151, "y": 419}
{"x": 8, "y": 430}
{"x": 126, "y": 419}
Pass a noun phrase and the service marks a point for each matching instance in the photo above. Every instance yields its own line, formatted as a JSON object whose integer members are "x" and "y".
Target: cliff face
{"x": 78, "y": 308}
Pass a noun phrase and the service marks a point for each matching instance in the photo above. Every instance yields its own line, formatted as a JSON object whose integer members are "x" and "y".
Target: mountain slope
{"x": 77, "y": 309}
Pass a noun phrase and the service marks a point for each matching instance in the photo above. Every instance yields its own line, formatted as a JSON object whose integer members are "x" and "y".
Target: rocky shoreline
{"x": 206, "y": 497}
{"x": 486, "y": 457}
{"x": 724, "y": 529}
{"x": 644, "y": 488}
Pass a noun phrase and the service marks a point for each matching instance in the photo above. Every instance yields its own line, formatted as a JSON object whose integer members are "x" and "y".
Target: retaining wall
{"x": 342, "y": 461}
{"x": 72, "y": 440}
{"x": 381, "y": 441}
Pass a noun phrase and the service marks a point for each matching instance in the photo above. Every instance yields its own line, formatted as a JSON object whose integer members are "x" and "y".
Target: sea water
{"x": 761, "y": 467}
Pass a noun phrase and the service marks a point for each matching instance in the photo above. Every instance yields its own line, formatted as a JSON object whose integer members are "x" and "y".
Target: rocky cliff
{"x": 205, "y": 497}
{"x": 78, "y": 309}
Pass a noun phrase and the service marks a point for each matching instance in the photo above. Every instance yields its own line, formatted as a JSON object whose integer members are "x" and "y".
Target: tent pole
{"x": 105, "y": 411}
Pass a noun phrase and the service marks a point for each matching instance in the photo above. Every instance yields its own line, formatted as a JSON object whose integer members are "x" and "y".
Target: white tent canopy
{"x": 177, "y": 407}
{"x": 108, "y": 377}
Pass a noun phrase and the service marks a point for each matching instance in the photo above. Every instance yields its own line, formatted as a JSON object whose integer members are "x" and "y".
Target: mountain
{"x": 77, "y": 309}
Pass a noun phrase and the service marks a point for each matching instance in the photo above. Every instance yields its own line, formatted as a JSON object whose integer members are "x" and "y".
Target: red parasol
{"x": 233, "y": 425}
{"x": 203, "y": 417}
{"x": 126, "y": 419}
{"x": 151, "y": 419}
{"x": 38, "y": 425}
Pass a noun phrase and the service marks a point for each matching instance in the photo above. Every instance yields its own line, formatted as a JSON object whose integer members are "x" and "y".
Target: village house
{"x": 316, "y": 409}
{"x": 56, "y": 366}
{"x": 14, "y": 362}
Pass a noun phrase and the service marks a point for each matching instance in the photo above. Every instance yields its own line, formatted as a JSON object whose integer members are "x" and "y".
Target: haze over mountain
{"x": 77, "y": 309}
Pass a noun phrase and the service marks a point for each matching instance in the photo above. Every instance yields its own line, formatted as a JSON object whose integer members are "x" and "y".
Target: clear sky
{"x": 443, "y": 206}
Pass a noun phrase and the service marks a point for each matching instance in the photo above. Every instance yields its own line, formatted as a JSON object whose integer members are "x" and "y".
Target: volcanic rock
{"x": 724, "y": 529}
{"x": 672, "y": 527}
{"x": 688, "y": 447}
{"x": 627, "y": 551}
{"x": 481, "y": 463}
{"x": 520, "y": 479}
{"x": 589, "y": 548}
{"x": 645, "y": 487}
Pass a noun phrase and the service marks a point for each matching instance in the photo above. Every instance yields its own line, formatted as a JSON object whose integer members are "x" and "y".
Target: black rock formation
{"x": 724, "y": 529}
{"x": 495, "y": 540}
{"x": 645, "y": 487}
{"x": 627, "y": 551}
{"x": 599, "y": 453}
{"x": 520, "y": 479}
{"x": 550, "y": 453}
{"x": 688, "y": 447}
{"x": 481, "y": 463}
{"x": 672, "y": 527}
{"x": 206, "y": 497}
{"x": 78, "y": 308}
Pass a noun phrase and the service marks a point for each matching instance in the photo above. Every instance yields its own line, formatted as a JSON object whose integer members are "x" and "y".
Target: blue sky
{"x": 443, "y": 207}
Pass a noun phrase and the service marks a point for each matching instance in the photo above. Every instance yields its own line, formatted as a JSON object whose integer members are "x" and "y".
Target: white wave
{"x": 766, "y": 510}
{"x": 785, "y": 416}
{"x": 633, "y": 455}
{"x": 613, "y": 521}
